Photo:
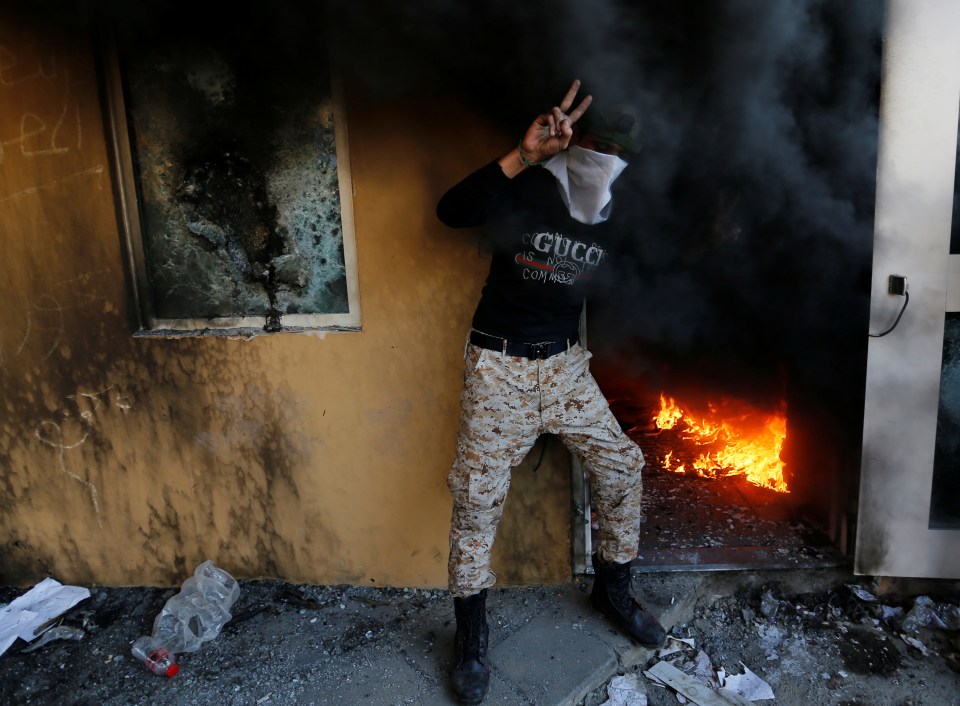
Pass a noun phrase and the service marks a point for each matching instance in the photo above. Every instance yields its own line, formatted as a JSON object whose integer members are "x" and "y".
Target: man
{"x": 546, "y": 205}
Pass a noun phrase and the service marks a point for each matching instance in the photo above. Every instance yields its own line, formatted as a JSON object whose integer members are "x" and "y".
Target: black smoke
{"x": 747, "y": 218}
{"x": 748, "y": 215}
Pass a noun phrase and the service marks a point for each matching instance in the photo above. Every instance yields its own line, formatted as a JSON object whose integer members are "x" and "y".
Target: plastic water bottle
{"x": 195, "y": 615}
{"x": 199, "y": 611}
{"x": 158, "y": 659}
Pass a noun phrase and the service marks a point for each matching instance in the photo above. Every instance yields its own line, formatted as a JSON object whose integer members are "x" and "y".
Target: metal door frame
{"x": 920, "y": 97}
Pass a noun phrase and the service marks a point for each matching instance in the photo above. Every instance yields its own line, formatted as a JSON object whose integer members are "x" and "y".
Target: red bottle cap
{"x": 172, "y": 670}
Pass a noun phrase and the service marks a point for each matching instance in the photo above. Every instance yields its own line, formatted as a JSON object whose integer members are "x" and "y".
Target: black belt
{"x": 534, "y": 351}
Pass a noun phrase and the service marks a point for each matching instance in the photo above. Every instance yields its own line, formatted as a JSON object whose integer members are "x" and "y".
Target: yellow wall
{"x": 311, "y": 458}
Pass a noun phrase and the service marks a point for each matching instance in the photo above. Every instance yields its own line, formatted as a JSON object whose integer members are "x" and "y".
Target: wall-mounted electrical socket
{"x": 897, "y": 284}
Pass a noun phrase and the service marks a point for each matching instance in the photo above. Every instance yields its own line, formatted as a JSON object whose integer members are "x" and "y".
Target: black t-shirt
{"x": 543, "y": 262}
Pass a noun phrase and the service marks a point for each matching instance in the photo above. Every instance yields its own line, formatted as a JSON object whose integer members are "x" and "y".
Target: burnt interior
{"x": 695, "y": 522}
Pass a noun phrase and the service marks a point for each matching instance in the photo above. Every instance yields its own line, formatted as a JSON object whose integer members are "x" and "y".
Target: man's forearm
{"x": 467, "y": 203}
{"x": 512, "y": 163}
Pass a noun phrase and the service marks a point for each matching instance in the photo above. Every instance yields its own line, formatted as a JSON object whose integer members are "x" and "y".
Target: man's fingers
{"x": 571, "y": 94}
{"x": 558, "y": 123}
{"x": 581, "y": 109}
{"x": 559, "y": 118}
{"x": 566, "y": 134}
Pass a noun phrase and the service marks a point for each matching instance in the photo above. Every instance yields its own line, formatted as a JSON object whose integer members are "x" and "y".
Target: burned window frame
{"x": 145, "y": 319}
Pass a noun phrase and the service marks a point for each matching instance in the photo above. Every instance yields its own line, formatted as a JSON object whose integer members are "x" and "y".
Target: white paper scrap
{"x": 39, "y": 605}
{"x": 688, "y": 686}
{"x": 704, "y": 668}
{"x": 627, "y": 690}
{"x": 733, "y": 697}
{"x": 748, "y": 685}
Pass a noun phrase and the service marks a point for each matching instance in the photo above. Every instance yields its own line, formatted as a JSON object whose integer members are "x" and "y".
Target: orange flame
{"x": 742, "y": 445}
{"x": 669, "y": 413}
{"x": 666, "y": 464}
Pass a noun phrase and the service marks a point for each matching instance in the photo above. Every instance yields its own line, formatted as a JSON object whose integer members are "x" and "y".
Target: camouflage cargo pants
{"x": 506, "y": 404}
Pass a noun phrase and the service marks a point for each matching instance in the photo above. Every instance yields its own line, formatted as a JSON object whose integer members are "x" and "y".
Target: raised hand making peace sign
{"x": 549, "y": 134}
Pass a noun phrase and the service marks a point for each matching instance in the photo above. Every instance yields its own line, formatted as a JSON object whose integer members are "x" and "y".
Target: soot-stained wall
{"x": 315, "y": 458}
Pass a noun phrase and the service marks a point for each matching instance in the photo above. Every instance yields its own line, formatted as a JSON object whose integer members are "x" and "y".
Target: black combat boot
{"x": 611, "y": 596}
{"x": 470, "y": 677}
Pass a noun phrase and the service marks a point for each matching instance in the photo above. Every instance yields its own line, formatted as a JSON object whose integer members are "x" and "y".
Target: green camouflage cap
{"x": 617, "y": 123}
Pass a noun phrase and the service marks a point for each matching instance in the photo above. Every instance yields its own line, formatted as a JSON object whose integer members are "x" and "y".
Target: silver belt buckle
{"x": 541, "y": 351}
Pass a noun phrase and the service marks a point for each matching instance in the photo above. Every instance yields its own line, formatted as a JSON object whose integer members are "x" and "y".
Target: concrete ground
{"x": 292, "y": 644}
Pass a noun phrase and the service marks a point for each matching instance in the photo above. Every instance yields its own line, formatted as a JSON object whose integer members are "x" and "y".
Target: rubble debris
{"x": 953, "y": 658}
{"x": 890, "y": 612}
{"x": 769, "y": 605}
{"x": 835, "y": 681}
{"x": 283, "y": 653}
{"x": 675, "y": 645}
{"x": 294, "y": 596}
{"x": 927, "y": 613}
{"x": 371, "y": 602}
{"x": 26, "y": 616}
{"x": 626, "y": 690}
{"x": 87, "y": 622}
{"x": 688, "y": 686}
{"x": 248, "y": 613}
{"x": 61, "y": 632}
{"x": 867, "y": 651}
{"x": 747, "y": 686}
{"x": 862, "y": 593}
{"x": 703, "y": 668}
{"x": 915, "y": 644}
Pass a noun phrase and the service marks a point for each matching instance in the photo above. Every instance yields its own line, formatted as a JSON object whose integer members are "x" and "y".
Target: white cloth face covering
{"x": 584, "y": 178}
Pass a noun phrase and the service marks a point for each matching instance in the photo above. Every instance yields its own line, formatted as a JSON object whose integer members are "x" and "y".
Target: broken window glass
{"x": 242, "y": 182}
